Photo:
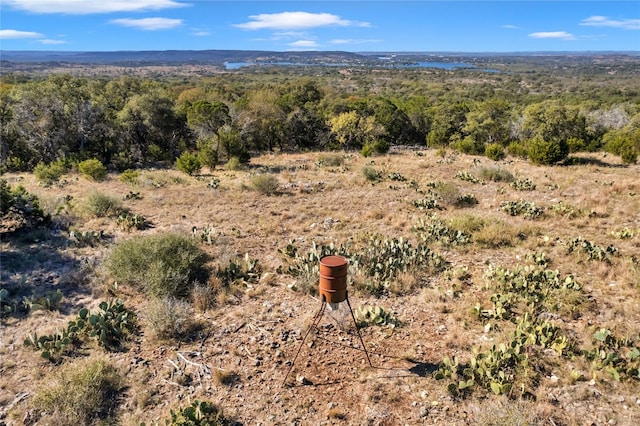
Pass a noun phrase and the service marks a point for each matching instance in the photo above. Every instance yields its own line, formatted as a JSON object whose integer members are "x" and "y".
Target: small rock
{"x": 303, "y": 380}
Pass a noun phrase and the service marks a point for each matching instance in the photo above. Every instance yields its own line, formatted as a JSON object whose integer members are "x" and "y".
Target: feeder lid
{"x": 332, "y": 260}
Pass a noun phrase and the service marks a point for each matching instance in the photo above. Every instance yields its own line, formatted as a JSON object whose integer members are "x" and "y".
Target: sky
{"x": 355, "y": 26}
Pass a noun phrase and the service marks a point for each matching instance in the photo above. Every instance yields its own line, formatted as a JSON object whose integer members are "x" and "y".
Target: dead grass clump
{"x": 234, "y": 164}
{"x": 404, "y": 283}
{"x": 497, "y": 234}
{"x": 98, "y": 204}
{"x": 203, "y": 297}
{"x": 467, "y": 223}
{"x": 331, "y": 159}
{"x": 168, "y": 318}
{"x": 371, "y": 174}
{"x": 447, "y": 192}
{"x": 506, "y": 412}
{"x": 265, "y": 184}
{"x": 496, "y": 174}
{"x": 83, "y": 393}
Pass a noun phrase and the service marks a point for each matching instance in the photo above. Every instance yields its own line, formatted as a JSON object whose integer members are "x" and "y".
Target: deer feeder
{"x": 332, "y": 291}
{"x": 333, "y": 279}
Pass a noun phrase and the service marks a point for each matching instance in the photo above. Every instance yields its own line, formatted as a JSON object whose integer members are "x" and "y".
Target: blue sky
{"x": 434, "y": 26}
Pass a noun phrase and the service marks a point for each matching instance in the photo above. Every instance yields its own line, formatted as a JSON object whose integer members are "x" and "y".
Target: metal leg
{"x": 358, "y": 331}
{"x": 314, "y": 323}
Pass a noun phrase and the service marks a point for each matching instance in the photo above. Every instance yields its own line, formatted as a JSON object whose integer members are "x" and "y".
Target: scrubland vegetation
{"x": 160, "y": 247}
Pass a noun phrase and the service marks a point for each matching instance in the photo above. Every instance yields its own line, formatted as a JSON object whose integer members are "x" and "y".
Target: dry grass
{"x": 252, "y": 329}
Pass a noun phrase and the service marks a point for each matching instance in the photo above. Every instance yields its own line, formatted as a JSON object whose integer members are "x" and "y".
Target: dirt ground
{"x": 239, "y": 352}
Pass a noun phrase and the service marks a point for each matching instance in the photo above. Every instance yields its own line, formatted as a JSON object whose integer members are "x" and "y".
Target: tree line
{"x": 131, "y": 122}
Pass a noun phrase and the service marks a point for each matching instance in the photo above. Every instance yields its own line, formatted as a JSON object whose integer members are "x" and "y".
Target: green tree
{"x": 489, "y": 122}
{"x": 448, "y": 121}
{"x": 352, "y": 131}
{"x": 206, "y": 119}
{"x": 262, "y": 121}
{"x": 151, "y": 128}
{"x": 548, "y": 126}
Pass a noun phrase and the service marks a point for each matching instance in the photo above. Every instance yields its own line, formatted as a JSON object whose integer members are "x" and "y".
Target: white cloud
{"x": 510, "y": 27}
{"x": 304, "y": 43}
{"x": 353, "y": 41}
{"x": 563, "y": 35}
{"x": 296, "y": 21}
{"x": 84, "y": 7}
{"x": 603, "y": 21}
{"x": 50, "y": 41}
{"x": 148, "y": 24}
{"x": 200, "y": 33}
{"x": 13, "y": 34}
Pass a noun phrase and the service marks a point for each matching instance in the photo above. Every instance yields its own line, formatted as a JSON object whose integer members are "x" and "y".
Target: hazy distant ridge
{"x": 171, "y": 56}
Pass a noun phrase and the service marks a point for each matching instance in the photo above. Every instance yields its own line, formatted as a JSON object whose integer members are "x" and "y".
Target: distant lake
{"x": 438, "y": 65}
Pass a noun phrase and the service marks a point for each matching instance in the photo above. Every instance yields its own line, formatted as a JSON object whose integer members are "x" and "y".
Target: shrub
{"x": 517, "y": 149}
{"x": 188, "y": 163}
{"x": 234, "y": 163}
{"x": 101, "y": 205}
{"x": 168, "y": 317}
{"x": 371, "y": 174}
{"x": 84, "y": 393}
{"x": 624, "y": 145}
{"x": 122, "y": 161}
{"x": 494, "y": 151}
{"x": 51, "y": 173}
{"x": 19, "y": 209}
{"x": 547, "y": 152}
{"x": 496, "y": 174}
{"x": 378, "y": 146}
{"x": 331, "y": 159}
{"x": 366, "y": 150}
{"x": 265, "y": 184}
{"x": 129, "y": 176}
{"x": 207, "y": 153}
{"x": 93, "y": 169}
{"x": 162, "y": 265}
{"x": 469, "y": 146}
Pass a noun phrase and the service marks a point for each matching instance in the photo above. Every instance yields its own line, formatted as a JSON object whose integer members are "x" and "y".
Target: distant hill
{"x": 212, "y": 57}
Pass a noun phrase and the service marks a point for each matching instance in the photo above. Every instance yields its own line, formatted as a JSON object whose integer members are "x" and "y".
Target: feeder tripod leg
{"x": 358, "y": 331}
{"x": 314, "y": 324}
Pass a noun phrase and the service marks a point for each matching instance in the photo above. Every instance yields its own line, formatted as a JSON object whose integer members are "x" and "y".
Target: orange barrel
{"x": 333, "y": 278}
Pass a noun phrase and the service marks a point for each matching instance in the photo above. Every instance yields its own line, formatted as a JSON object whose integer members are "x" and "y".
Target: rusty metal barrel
{"x": 333, "y": 278}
